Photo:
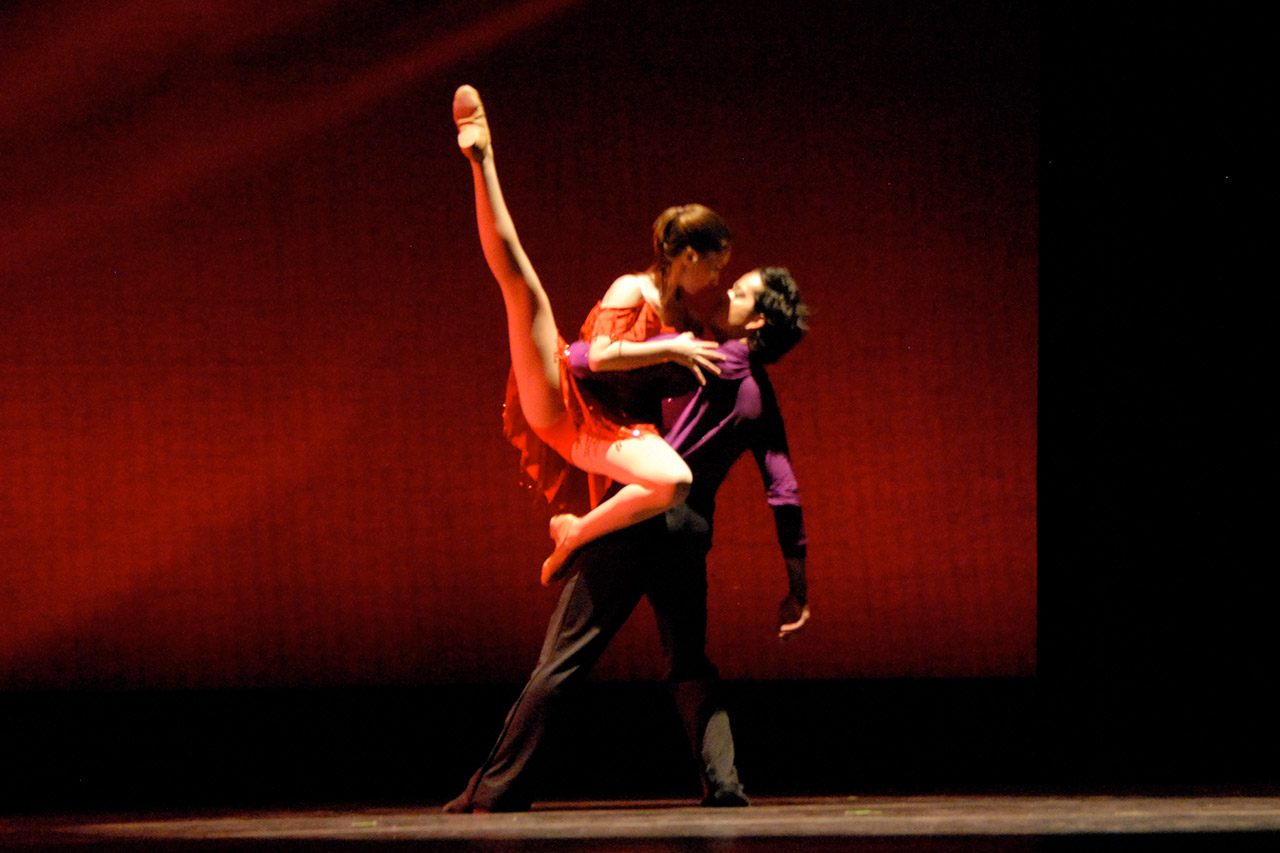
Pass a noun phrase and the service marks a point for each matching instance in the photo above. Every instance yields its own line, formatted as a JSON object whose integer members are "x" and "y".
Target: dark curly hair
{"x": 786, "y": 316}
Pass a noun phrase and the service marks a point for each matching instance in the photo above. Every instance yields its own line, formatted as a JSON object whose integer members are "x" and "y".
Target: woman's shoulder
{"x": 627, "y": 291}
{"x": 625, "y": 312}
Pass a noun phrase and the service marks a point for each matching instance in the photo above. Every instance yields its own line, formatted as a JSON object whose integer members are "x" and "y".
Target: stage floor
{"x": 928, "y": 823}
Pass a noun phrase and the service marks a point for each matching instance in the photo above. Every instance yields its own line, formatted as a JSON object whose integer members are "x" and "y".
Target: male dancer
{"x": 664, "y": 558}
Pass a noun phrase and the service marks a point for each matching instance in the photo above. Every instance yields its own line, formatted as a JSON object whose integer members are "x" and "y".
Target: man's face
{"x": 736, "y": 315}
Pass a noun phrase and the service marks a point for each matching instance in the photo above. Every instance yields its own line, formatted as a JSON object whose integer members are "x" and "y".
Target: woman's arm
{"x": 686, "y": 350}
{"x": 608, "y": 353}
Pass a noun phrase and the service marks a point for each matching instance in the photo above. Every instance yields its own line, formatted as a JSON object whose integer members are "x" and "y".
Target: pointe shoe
{"x": 473, "y": 127}
{"x": 553, "y": 567}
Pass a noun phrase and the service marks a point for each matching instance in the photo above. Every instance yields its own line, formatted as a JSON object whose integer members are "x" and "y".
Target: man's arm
{"x": 783, "y": 494}
{"x": 793, "y": 613}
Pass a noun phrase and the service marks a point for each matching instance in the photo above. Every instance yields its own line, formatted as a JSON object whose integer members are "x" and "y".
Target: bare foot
{"x": 553, "y": 566}
{"x": 473, "y": 127}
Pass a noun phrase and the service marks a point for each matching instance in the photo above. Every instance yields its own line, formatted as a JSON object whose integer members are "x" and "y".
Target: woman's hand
{"x": 696, "y": 354}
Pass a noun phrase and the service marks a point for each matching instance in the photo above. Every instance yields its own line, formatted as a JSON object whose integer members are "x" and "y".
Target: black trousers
{"x": 663, "y": 559}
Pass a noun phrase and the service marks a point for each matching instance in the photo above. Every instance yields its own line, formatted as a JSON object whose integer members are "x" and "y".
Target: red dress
{"x": 566, "y": 487}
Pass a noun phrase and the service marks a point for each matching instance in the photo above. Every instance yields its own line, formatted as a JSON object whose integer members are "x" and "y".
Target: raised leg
{"x": 531, "y": 327}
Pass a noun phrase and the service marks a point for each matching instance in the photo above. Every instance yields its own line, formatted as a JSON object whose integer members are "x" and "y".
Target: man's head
{"x": 764, "y": 306}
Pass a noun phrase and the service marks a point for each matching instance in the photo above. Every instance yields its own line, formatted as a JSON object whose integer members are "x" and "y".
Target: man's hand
{"x": 792, "y": 616}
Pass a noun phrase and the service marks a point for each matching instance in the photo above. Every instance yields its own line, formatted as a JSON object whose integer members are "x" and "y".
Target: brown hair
{"x": 687, "y": 226}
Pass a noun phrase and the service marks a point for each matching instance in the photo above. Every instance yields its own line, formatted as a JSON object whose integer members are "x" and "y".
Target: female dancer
{"x": 692, "y": 245}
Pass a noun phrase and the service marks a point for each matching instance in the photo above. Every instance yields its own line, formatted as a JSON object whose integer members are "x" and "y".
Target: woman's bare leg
{"x": 657, "y": 479}
{"x": 531, "y": 327}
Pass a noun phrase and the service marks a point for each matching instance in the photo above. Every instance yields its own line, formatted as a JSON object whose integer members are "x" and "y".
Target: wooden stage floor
{"x": 879, "y": 823}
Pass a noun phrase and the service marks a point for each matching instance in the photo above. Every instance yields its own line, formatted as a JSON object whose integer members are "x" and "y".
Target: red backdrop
{"x": 252, "y": 362}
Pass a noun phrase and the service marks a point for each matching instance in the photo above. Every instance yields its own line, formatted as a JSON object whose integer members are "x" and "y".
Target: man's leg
{"x": 678, "y": 594}
{"x": 711, "y": 739}
{"x": 593, "y": 605}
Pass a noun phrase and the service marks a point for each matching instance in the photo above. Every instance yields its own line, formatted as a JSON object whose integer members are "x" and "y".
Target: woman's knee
{"x": 669, "y": 469}
{"x": 673, "y": 490}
